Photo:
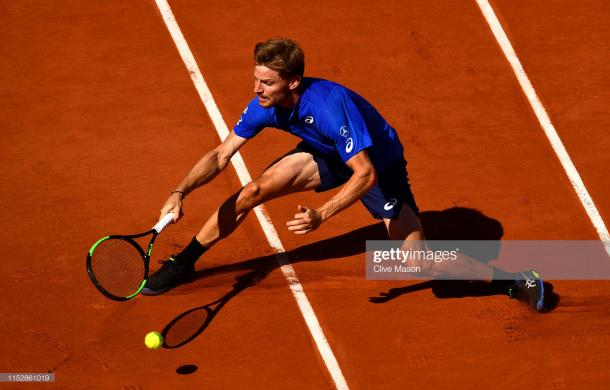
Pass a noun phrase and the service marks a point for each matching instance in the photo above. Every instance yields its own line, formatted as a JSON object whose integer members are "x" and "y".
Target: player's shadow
{"x": 460, "y": 223}
{"x": 457, "y": 223}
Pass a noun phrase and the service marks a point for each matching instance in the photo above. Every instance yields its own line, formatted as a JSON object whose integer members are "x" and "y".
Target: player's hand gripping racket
{"x": 118, "y": 266}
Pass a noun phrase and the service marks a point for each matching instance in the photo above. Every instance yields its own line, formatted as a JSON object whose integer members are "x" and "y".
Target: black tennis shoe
{"x": 529, "y": 289}
{"x": 167, "y": 277}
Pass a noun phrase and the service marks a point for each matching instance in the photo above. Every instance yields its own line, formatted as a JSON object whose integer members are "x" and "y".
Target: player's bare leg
{"x": 408, "y": 227}
{"x": 525, "y": 286}
{"x": 294, "y": 173}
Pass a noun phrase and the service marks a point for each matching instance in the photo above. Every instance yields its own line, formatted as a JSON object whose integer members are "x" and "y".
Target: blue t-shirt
{"x": 330, "y": 118}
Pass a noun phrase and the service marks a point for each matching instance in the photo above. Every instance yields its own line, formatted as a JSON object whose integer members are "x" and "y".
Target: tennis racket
{"x": 118, "y": 266}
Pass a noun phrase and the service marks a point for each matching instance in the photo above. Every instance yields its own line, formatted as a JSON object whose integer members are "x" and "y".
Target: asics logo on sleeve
{"x": 391, "y": 203}
{"x": 349, "y": 145}
{"x": 241, "y": 118}
{"x": 308, "y": 120}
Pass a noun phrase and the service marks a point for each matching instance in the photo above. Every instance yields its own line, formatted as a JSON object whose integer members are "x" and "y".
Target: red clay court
{"x": 101, "y": 119}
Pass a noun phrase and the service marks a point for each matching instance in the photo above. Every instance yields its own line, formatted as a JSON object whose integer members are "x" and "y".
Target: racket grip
{"x": 163, "y": 222}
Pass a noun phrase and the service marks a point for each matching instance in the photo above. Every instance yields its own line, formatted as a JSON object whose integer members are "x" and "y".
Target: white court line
{"x": 244, "y": 176}
{"x": 546, "y": 124}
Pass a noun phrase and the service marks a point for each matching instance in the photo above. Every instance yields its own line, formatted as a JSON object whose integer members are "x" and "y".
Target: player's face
{"x": 272, "y": 90}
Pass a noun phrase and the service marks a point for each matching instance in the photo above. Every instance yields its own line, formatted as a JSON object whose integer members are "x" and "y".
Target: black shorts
{"x": 384, "y": 200}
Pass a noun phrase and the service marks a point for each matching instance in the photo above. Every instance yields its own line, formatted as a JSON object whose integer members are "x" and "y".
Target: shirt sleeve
{"x": 254, "y": 119}
{"x": 344, "y": 125}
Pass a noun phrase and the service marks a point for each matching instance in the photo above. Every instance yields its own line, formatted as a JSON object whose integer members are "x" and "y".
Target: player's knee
{"x": 251, "y": 194}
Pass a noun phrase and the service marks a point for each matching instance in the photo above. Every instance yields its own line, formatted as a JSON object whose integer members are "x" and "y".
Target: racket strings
{"x": 118, "y": 267}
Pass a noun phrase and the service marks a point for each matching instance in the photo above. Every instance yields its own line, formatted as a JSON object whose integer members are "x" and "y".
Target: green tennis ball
{"x": 153, "y": 340}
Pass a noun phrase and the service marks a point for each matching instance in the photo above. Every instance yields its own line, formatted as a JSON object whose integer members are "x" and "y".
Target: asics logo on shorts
{"x": 390, "y": 204}
{"x": 308, "y": 120}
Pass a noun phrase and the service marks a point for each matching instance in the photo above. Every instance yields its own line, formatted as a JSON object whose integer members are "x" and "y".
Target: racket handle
{"x": 163, "y": 222}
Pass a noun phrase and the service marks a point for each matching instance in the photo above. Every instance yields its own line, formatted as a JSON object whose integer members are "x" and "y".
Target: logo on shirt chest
{"x": 308, "y": 120}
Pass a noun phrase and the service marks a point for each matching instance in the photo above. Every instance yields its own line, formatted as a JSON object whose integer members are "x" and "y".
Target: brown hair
{"x": 282, "y": 55}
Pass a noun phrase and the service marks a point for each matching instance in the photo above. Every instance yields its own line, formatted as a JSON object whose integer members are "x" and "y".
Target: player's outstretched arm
{"x": 206, "y": 169}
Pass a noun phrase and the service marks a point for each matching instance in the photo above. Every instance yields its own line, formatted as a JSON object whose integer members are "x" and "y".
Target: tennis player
{"x": 345, "y": 142}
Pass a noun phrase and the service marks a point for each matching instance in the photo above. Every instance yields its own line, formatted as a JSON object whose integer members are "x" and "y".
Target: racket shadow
{"x": 190, "y": 324}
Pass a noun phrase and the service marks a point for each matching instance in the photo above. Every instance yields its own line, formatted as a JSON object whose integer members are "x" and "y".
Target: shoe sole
{"x": 149, "y": 292}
